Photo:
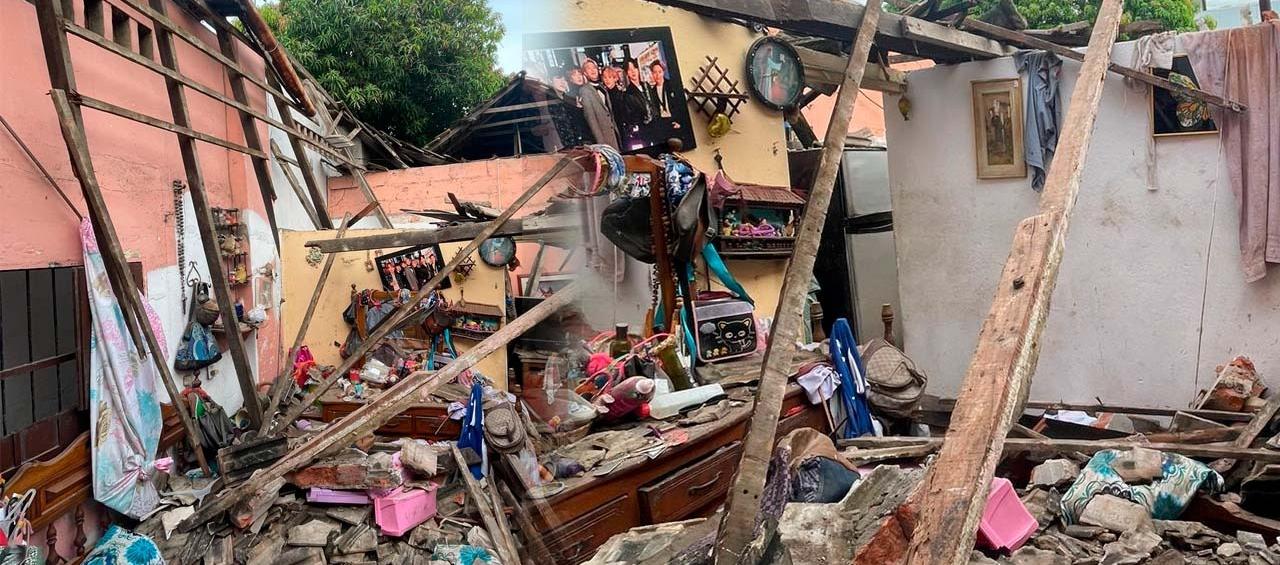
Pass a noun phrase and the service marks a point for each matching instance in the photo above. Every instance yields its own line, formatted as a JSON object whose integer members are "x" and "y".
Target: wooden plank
{"x": 834, "y": 19}
{"x": 531, "y": 225}
{"x": 737, "y": 528}
{"x": 100, "y": 41}
{"x": 182, "y": 131}
{"x": 298, "y": 191}
{"x": 948, "y": 404}
{"x": 525, "y": 106}
{"x": 362, "y": 422}
{"x": 1051, "y": 447}
{"x": 1135, "y": 74}
{"x": 261, "y": 168}
{"x": 204, "y": 221}
{"x": 1261, "y": 420}
{"x": 163, "y": 23}
{"x": 953, "y": 494}
{"x": 506, "y": 553}
{"x": 330, "y": 127}
{"x": 304, "y": 163}
{"x": 393, "y": 320}
{"x": 278, "y": 386}
{"x": 968, "y": 43}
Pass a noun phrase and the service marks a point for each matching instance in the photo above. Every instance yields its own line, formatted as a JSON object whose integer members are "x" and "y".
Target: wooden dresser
{"x": 689, "y": 480}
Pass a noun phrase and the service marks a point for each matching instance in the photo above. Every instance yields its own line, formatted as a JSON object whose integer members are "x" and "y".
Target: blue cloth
{"x": 119, "y": 546}
{"x": 1042, "y": 110}
{"x": 473, "y": 428}
{"x": 1165, "y": 497}
{"x": 853, "y": 382}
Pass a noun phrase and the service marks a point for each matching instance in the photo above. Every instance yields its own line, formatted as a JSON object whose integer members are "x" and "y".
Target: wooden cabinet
{"x": 577, "y": 540}
{"x": 681, "y": 494}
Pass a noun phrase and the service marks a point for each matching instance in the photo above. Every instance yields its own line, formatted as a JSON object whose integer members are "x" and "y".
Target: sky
{"x": 519, "y": 17}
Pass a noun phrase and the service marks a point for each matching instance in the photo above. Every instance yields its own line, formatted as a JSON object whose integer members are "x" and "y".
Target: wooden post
{"x": 953, "y": 495}
{"x": 393, "y": 320}
{"x": 261, "y": 169}
{"x": 737, "y": 528}
{"x": 412, "y": 390}
{"x": 71, "y": 122}
{"x": 204, "y": 221}
{"x": 278, "y": 386}
{"x": 330, "y": 126}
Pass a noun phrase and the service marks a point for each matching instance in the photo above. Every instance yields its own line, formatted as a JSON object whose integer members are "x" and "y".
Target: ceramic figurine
{"x": 357, "y": 386}
{"x": 789, "y": 230}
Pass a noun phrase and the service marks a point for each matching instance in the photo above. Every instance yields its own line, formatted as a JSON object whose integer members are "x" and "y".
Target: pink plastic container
{"x": 400, "y": 510}
{"x": 1006, "y": 524}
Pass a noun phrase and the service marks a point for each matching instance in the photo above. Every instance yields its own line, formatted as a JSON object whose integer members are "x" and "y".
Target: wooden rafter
{"x": 205, "y": 223}
{"x": 952, "y": 498}
{"x": 534, "y": 225}
{"x": 737, "y": 528}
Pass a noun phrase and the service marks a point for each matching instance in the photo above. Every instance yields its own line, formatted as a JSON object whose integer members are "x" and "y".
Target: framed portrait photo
{"x": 617, "y": 87}
{"x": 1175, "y": 114}
{"x": 997, "y": 127}
{"x": 410, "y": 268}
{"x": 775, "y": 74}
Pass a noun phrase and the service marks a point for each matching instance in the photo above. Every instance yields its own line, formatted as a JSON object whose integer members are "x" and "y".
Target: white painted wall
{"x": 1151, "y": 296}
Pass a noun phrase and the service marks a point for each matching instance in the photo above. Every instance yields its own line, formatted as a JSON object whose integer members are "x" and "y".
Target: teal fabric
{"x": 121, "y": 547}
{"x": 1165, "y": 498}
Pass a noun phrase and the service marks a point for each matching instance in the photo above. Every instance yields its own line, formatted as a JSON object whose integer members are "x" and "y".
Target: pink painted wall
{"x": 135, "y": 164}
{"x": 497, "y": 181}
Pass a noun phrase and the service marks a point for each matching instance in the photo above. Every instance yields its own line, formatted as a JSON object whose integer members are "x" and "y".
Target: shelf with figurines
{"x": 232, "y": 244}
{"x": 475, "y": 321}
{"x": 759, "y": 222}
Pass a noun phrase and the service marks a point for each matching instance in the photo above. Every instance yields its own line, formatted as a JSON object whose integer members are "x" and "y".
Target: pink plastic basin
{"x": 1006, "y": 524}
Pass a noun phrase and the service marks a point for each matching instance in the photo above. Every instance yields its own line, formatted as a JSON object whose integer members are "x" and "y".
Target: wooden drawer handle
{"x": 695, "y": 489}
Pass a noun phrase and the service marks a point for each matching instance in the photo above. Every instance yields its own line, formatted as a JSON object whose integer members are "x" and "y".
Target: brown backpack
{"x": 894, "y": 384}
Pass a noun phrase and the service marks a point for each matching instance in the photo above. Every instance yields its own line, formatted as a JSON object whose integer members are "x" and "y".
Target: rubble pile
{"x": 397, "y": 503}
{"x": 1117, "y": 531}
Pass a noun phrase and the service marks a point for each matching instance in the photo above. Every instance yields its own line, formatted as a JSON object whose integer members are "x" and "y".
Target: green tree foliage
{"x": 409, "y": 67}
{"x": 1177, "y": 15}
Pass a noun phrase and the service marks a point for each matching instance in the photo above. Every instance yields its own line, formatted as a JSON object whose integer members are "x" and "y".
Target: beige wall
{"x": 756, "y": 149}
{"x": 327, "y": 330}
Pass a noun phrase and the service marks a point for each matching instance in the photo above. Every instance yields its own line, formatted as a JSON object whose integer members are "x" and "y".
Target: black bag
{"x": 625, "y": 222}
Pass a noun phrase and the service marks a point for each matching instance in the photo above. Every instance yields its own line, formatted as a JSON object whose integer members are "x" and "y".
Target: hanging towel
{"x": 1153, "y": 51}
{"x": 1042, "y": 110}
{"x": 1243, "y": 64}
{"x": 123, "y": 408}
{"x": 473, "y": 430}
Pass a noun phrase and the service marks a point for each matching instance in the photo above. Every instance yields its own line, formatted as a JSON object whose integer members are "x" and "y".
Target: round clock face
{"x": 775, "y": 73}
{"x": 498, "y": 252}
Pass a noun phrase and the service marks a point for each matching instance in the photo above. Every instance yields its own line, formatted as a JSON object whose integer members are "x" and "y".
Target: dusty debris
{"x": 1054, "y": 473}
{"x": 1115, "y": 514}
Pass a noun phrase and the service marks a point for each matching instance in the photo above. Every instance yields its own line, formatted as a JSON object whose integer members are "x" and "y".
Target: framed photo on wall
{"x": 410, "y": 268}
{"x": 1175, "y": 114}
{"x": 619, "y": 87}
{"x": 997, "y": 127}
{"x": 775, "y": 73}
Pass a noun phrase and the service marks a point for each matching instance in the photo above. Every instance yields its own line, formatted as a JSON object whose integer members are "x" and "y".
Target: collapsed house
{"x": 632, "y": 309}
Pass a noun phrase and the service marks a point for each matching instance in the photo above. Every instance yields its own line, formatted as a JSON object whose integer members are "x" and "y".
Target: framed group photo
{"x": 410, "y": 268}
{"x": 618, "y": 87}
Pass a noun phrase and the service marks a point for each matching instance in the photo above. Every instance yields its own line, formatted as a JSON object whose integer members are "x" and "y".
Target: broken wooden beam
{"x": 527, "y": 226}
{"x": 952, "y": 498}
{"x": 1135, "y": 74}
{"x": 402, "y": 312}
{"x": 1059, "y": 447}
{"x": 1261, "y": 420}
{"x": 414, "y": 389}
{"x": 296, "y": 185}
{"x": 507, "y": 552}
{"x": 931, "y": 404}
{"x": 737, "y": 528}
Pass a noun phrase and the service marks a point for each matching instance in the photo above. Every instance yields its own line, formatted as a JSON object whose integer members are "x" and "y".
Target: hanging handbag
{"x": 198, "y": 348}
{"x": 724, "y": 324}
{"x": 895, "y": 385}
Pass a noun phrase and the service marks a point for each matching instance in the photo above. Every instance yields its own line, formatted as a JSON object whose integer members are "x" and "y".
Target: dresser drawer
{"x": 680, "y": 494}
{"x": 577, "y": 540}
